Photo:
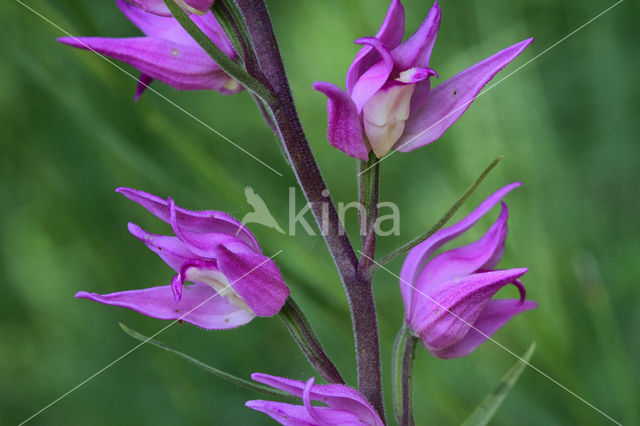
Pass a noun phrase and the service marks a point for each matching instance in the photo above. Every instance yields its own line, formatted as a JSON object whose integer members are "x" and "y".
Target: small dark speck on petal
{"x": 455, "y": 92}
{"x": 226, "y": 320}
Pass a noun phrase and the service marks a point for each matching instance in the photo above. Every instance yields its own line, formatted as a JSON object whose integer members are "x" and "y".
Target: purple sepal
{"x": 200, "y": 305}
{"x": 448, "y": 101}
{"x": 344, "y": 405}
{"x": 344, "y": 128}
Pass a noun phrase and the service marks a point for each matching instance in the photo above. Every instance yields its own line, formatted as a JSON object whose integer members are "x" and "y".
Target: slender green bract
{"x": 223, "y": 61}
{"x": 209, "y": 369}
{"x": 396, "y": 371}
{"x": 303, "y": 334}
{"x": 488, "y": 407}
{"x": 443, "y": 221}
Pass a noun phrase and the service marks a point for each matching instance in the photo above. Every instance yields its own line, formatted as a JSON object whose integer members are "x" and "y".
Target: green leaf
{"x": 443, "y": 221}
{"x": 488, "y": 407}
{"x": 209, "y": 369}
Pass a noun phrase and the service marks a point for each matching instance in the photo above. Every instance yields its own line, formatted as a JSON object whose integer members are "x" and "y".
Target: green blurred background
{"x": 567, "y": 125}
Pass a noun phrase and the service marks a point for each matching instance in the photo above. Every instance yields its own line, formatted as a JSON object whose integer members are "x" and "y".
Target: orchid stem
{"x": 408, "y": 358}
{"x": 443, "y": 221}
{"x": 220, "y": 58}
{"x": 357, "y": 287}
{"x": 300, "y": 328}
{"x": 209, "y": 369}
{"x": 401, "y": 375}
{"x": 368, "y": 194}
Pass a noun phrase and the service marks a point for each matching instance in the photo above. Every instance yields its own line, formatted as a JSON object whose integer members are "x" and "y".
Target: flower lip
{"x": 207, "y": 272}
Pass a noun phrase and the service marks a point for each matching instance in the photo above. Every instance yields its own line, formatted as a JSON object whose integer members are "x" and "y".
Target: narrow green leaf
{"x": 488, "y": 407}
{"x": 443, "y": 221}
{"x": 396, "y": 371}
{"x": 209, "y": 369}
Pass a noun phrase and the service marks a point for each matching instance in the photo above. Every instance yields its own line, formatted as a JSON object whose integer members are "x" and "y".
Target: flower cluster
{"x": 388, "y": 104}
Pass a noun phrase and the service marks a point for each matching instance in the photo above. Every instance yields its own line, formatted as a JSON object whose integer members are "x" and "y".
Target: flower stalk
{"x": 296, "y": 146}
{"x": 408, "y": 357}
{"x": 304, "y": 336}
{"x": 402, "y": 360}
{"x": 368, "y": 196}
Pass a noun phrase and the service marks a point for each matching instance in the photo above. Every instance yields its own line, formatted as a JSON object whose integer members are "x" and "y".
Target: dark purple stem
{"x": 296, "y": 146}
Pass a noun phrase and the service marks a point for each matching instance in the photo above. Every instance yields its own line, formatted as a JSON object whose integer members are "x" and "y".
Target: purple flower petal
{"x": 390, "y": 35}
{"x": 212, "y": 29}
{"x": 495, "y": 314}
{"x": 180, "y": 66}
{"x": 465, "y": 260}
{"x": 170, "y": 249}
{"x": 158, "y": 7}
{"x": 170, "y": 29}
{"x": 152, "y": 25}
{"x": 202, "y": 244}
{"x": 201, "y": 304}
{"x": 344, "y": 129}
{"x": 338, "y": 397}
{"x": 143, "y": 84}
{"x": 375, "y": 77}
{"x": 203, "y": 222}
{"x": 448, "y": 101}
{"x": 283, "y": 413}
{"x": 419, "y": 255}
{"x": 459, "y": 304}
{"x": 416, "y": 51}
{"x": 255, "y": 277}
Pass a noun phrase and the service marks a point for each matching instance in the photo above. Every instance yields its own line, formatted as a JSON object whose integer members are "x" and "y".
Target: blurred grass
{"x": 567, "y": 125}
